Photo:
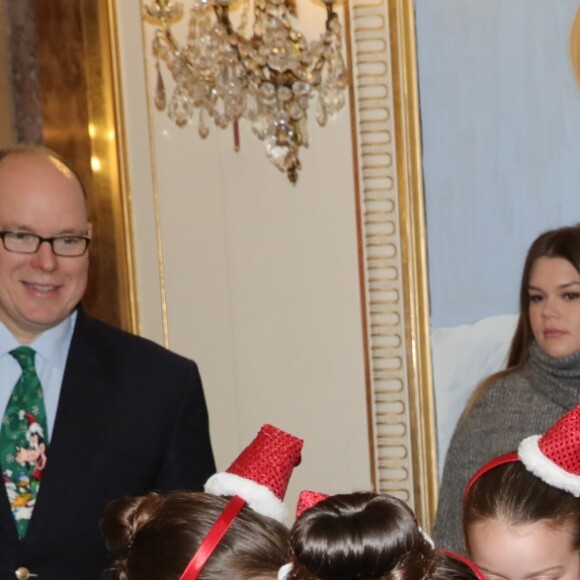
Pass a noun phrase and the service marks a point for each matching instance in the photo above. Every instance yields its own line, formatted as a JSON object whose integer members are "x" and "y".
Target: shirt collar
{"x": 52, "y": 345}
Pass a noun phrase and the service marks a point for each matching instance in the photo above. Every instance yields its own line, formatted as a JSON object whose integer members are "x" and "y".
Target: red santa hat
{"x": 261, "y": 473}
{"x": 554, "y": 456}
{"x": 34, "y": 426}
{"x": 259, "y": 478}
{"x": 307, "y": 499}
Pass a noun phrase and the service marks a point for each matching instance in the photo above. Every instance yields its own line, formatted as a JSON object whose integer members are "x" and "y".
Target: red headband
{"x": 495, "y": 462}
{"x": 479, "y": 575}
{"x": 212, "y": 538}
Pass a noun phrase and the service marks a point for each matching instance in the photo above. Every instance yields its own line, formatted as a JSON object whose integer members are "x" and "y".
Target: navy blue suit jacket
{"x": 131, "y": 418}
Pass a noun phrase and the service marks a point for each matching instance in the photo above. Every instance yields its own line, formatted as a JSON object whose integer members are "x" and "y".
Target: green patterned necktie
{"x": 23, "y": 440}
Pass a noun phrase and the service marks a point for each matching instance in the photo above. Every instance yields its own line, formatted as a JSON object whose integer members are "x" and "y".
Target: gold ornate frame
{"x": 108, "y": 146}
{"x": 393, "y": 268}
{"x": 575, "y": 45}
{"x": 83, "y": 120}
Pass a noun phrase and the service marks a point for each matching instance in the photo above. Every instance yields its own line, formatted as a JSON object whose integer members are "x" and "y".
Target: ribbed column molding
{"x": 391, "y": 247}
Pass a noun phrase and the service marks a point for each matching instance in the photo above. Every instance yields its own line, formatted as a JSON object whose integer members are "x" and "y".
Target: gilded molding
{"x": 575, "y": 45}
{"x": 391, "y": 247}
{"x": 108, "y": 155}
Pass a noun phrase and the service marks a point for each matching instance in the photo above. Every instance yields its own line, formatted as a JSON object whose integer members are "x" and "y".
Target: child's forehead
{"x": 502, "y": 526}
{"x": 518, "y": 551}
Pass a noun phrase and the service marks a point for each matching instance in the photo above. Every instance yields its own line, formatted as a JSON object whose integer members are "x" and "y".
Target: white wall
{"x": 261, "y": 277}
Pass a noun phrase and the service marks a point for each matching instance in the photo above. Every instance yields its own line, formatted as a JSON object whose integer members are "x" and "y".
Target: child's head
{"x": 355, "y": 535}
{"x": 234, "y": 530}
{"x": 155, "y": 536}
{"x": 366, "y": 535}
{"x": 521, "y": 511}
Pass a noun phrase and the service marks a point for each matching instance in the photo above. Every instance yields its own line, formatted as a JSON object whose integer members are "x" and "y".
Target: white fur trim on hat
{"x": 536, "y": 462}
{"x": 258, "y": 497}
{"x": 36, "y": 428}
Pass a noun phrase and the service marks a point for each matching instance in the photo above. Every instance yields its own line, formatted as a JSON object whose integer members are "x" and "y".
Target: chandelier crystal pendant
{"x": 268, "y": 77}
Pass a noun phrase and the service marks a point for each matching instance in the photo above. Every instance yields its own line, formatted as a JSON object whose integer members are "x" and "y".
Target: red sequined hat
{"x": 261, "y": 473}
{"x": 307, "y": 499}
{"x": 554, "y": 456}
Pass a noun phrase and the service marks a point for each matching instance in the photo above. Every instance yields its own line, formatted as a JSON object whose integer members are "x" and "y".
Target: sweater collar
{"x": 557, "y": 378}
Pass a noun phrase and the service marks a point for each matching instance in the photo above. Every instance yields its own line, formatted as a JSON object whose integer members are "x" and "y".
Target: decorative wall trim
{"x": 380, "y": 45}
{"x": 381, "y": 42}
{"x": 109, "y": 158}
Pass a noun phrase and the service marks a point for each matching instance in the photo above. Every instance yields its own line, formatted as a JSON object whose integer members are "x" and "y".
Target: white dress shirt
{"x": 51, "y": 353}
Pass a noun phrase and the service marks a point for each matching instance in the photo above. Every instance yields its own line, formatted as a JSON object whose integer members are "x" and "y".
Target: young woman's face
{"x": 554, "y": 291}
{"x": 535, "y": 551}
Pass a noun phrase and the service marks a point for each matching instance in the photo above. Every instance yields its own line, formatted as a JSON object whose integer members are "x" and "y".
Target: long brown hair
{"x": 558, "y": 243}
{"x": 154, "y": 537}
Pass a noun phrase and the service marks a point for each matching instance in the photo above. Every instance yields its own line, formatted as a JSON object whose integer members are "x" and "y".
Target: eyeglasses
{"x": 25, "y": 243}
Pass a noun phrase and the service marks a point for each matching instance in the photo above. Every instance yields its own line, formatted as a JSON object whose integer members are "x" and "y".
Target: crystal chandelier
{"x": 267, "y": 77}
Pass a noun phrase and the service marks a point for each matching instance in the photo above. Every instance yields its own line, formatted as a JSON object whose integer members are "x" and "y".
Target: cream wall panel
{"x": 141, "y": 171}
{"x": 254, "y": 278}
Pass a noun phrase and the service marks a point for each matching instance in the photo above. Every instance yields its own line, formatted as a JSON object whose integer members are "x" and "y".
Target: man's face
{"x": 37, "y": 291}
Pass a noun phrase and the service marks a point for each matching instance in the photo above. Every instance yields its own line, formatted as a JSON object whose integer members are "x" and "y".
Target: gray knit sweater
{"x": 524, "y": 403}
